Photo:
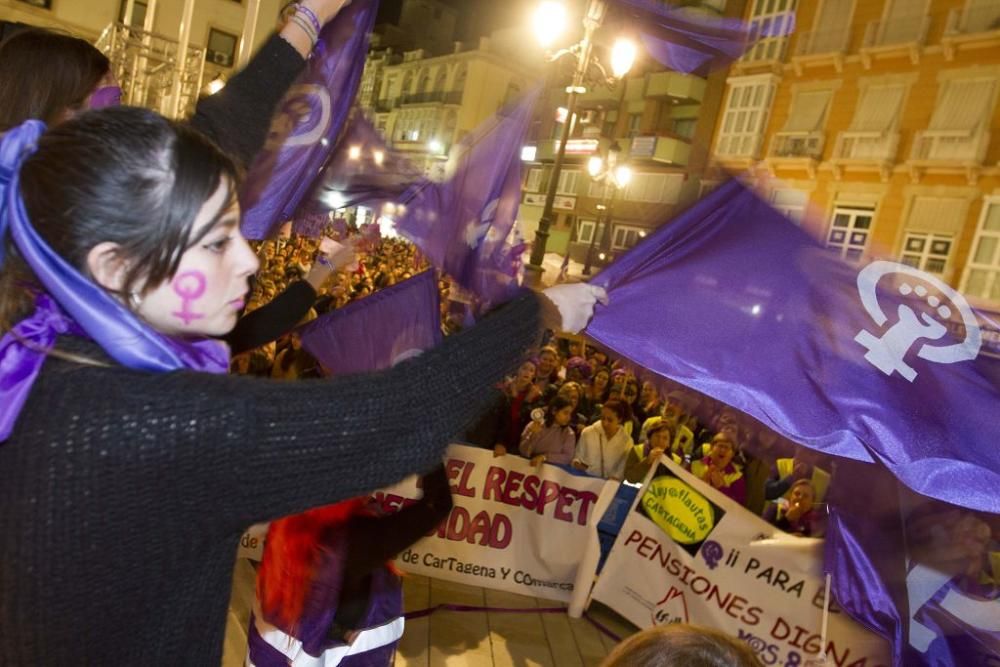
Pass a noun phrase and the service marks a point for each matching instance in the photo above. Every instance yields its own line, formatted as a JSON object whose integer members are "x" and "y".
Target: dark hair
{"x": 680, "y": 645}
{"x": 44, "y": 73}
{"x": 122, "y": 175}
{"x": 555, "y": 405}
{"x": 618, "y": 407}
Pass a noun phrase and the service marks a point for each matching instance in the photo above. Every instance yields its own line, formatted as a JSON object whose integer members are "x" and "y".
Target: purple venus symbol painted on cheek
{"x": 189, "y": 286}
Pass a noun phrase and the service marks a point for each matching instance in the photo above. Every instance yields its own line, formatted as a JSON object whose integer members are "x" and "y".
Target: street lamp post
{"x": 548, "y": 25}
{"x": 614, "y": 176}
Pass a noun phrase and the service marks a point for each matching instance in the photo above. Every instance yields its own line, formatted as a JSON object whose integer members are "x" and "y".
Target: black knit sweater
{"x": 123, "y": 494}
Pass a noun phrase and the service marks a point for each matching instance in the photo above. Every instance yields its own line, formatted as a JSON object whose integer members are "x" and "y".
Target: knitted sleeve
{"x": 272, "y": 320}
{"x": 238, "y": 117}
{"x": 302, "y": 444}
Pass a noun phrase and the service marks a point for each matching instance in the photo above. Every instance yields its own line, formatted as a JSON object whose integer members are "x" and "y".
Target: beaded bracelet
{"x": 310, "y": 15}
{"x": 306, "y": 27}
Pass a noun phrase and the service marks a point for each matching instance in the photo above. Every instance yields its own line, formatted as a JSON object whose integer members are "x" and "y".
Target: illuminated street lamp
{"x": 614, "y": 176}
{"x": 549, "y": 24}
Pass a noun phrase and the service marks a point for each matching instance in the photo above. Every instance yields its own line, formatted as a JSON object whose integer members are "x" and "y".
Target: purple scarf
{"x": 72, "y": 304}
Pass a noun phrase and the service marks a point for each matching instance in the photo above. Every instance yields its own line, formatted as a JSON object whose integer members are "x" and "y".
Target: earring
{"x": 134, "y": 300}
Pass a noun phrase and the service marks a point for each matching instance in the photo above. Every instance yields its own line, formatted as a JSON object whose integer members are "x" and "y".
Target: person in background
{"x": 604, "y": 446}
{"x": 642, "y": 457}
{"x": 681, "y": 645}
{"x": 553, "y": 439}
{"x": 798, "y": 515}
{"x": 718, "y": 469}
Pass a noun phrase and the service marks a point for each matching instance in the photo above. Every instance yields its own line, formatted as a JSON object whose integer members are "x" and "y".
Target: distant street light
{"x": 614, "y": 176}
{"x": 549, "y": 23}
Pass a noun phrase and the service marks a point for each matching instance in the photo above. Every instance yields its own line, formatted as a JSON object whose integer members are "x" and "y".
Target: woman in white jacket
{"x": 604, "y": 446}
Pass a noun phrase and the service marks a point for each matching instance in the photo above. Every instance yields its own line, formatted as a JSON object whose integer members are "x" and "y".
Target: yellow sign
{"x": 680, "y": 511}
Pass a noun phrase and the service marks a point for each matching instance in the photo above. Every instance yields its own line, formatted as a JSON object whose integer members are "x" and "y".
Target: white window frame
{"x": 928, "y": 252}
{"x": 585, "y": 230}
{"x": 991, "y": 266}
{"x": 652, "y": 192}
{"x": 533, "y": 181}
{"x": 844, "y": 238}
{"x": 619, "y": 236}
{"x": 569, "y": 182}
{"x": 745, "y": 115}
{"x": 765, "y": 16}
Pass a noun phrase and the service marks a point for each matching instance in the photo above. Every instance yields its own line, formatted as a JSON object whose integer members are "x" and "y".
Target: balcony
{"x": 665, "y": 149}
{"x": 949, "y": 151}
{"x": 971, "y": 27}
{"x": 576, "y": 147}
{"x": 684, "y": 87}
{"x": 795, "y": 150}
{"x": 865, "y": 151}
{"x": 822, "y": 47}
{"x": 437, "y": 97}
{"x": 900, "y": 36}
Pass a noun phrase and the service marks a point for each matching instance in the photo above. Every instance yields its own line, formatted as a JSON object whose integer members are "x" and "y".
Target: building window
{"x": 791, "y": 203}
{"x": 831, "y": 29}
{"x": 138, "y": 13}
{"x": 747, "y": 108}
{"x": 568, "y": 182}
{"x": 533, "y": 181}
{"x": 684, "y": 127}
{"x": 634, "y": 124}
{"x": 959, "y": 128}
{"x": 872, "y": 133}
{"x": 585, "y": 230}
{"x": 43, "y": 4}
{"x": 625, "y": 237}
{"x": 927, "y": 252}
{"x": 770, "y": 17}
{"x": 849, "y": 233}
{"x": 802, "y": 135}
{"x": 982, "y": 273}
{"x": 221, "y": 48}
{"x": 654, "y": 188}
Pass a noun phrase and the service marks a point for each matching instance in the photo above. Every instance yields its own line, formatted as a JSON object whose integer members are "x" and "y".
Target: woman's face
{"x": 721, "y": 453}
{"x": 631, "y": 393}
{"x": 205, "y": 295}
{"x": 660, "y": 439}
{"x": 572, "y": 392}
{"x": 803, "y": 496}
{"x": 546, "y": 363}
{"x": 648, "y": 394}
{"x": 610, "y": 422}
{"x": 563, "y": 416}
{"x": 525, "y": 374}
{"x": 601, "y": 381}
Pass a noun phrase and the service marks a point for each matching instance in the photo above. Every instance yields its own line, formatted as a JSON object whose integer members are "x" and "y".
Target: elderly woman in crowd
{"x": 719, "y": 470}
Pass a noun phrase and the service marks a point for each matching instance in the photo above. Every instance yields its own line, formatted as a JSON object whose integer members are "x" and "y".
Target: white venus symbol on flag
{"x": 887, "y": 352}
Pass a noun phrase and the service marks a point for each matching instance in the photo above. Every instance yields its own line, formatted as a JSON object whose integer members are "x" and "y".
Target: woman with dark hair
{"x": 604, "y": 446}
{"x": 642, "y": 457}
{"x": 552, "y": 439}
{"x": 130, "y": 462}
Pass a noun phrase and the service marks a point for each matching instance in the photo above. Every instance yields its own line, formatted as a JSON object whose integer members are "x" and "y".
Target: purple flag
{"x": 690, "y": 43}
{"x": 376, "y": 332}
{"x": 883, "y": 364}
{"x": 308, "y": 122}
{"x": 363, "y": 170}
{"x": 466, "y": 225}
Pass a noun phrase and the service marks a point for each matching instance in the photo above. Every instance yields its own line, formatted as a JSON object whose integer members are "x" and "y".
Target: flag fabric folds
{"x": 389, "y": 326}
{"x": 688, "y": 42}
{"x": 308, "y": 122}
{"x": 881, "y": 364}
{"x": 466, "y": 225}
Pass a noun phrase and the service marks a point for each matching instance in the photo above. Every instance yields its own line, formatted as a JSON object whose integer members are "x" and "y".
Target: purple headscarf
{"x": 72, "y": 303}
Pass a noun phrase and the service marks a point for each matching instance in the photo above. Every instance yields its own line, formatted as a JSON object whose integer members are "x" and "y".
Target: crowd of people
{"x": 571, "y": 403}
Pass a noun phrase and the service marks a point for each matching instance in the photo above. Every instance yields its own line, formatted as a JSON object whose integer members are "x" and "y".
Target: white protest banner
{"x": 688, "y": 554}
{"x": 514, "y": 527}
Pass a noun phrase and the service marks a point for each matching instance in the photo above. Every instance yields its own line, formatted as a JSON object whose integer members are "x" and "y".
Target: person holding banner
{"x": 642, "y": 458}
{"x": 550, "y": 439}
{"x": 604, "y": 446}
{"x": 130, "y": 461}
{"x": 719, "y": 470}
